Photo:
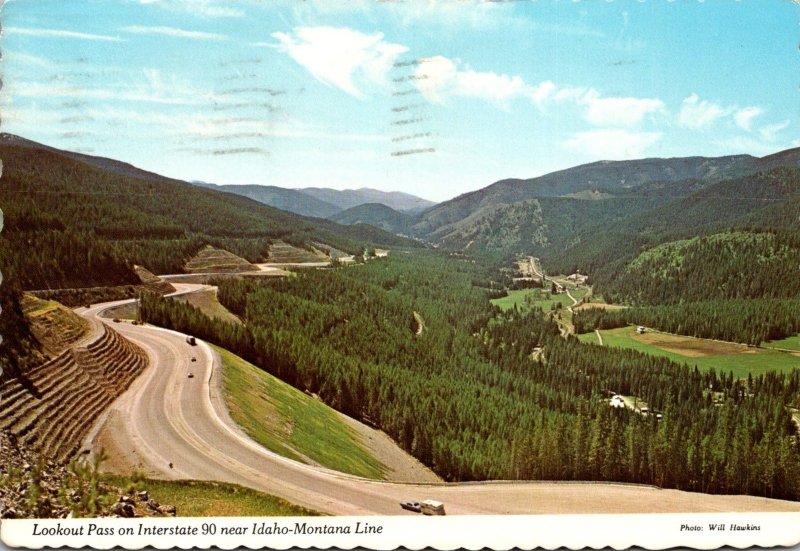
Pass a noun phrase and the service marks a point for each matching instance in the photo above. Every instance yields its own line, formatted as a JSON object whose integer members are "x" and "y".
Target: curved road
{"x": 166, "y": 417}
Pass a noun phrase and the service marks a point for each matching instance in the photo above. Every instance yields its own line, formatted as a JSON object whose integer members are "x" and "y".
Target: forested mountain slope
{"x": 77, "y": 221}
{"x": 290, "y": 200}
{"x": 349, "y": 198}
{"x": 766, "y": 200}
{"x": 726, "y": 265}
{"x": 85, "y": 226}
{"x": 378, "y": 215}
{"x": 650, "y": 182}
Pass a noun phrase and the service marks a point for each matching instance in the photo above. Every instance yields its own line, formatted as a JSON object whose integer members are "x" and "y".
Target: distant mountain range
{"x": 324, "y": 202}
{"x": 459, "y": 218}
{"x": 586, "y": 212}
{"x": 578, "y": 217}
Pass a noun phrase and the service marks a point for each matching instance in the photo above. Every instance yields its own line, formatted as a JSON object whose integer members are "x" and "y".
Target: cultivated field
{"x": 527, "y": 299}
{"x": 705, "y": 354}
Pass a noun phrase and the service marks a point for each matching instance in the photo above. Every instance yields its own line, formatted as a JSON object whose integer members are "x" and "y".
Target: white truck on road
{"x": 432, "y": 507}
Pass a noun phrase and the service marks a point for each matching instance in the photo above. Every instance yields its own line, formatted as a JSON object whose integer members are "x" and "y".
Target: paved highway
{"x": 166, "y": 418}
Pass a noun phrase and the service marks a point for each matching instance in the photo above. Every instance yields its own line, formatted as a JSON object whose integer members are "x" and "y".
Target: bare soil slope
{"x": 51, "y": 407}
{"x": 55, "y": 326}
{"x": 152, "y": 282}
{"x": 284, "y": 253}
{"x": 212, "y": 260}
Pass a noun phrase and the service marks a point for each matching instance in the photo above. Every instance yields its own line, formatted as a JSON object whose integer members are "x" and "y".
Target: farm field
{"x": 705, "y": 354}
{"x": 527, "y": 299}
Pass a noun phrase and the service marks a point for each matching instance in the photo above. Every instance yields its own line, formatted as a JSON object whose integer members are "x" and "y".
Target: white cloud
{"x": 697, "y": 114}
{"x": 744, "y": 117}
{"x": 618, "y": 111}
{"x": 542, "y": 91}
{"x": 612, "y": 144}
{"x": 439, "y": 77}
{"x": 173, "y": 32}
{"x": 341, "y": 57}
{"x": 58, "y": 33}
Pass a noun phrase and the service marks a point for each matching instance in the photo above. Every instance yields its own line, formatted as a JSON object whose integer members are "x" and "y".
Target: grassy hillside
{"x": 291, "y": 423}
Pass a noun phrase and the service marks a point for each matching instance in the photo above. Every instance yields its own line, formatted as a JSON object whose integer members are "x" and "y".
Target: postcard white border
{"x": 499, "y": 532}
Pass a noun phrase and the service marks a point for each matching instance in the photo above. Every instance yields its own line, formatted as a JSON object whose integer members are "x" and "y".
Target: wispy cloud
{"x": 173, "y": 32}
{"x": 696, "y": 113}
{"x": 58, "y": 33}
{"x": 341, "y": 57}
{"x": 770, "y": 131}
{"x": 612, "y": 144}
{"x": 27, "y": 60}
{"x": 200, "y": 8}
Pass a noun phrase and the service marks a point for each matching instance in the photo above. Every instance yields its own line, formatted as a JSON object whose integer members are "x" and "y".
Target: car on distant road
{"x": 194, "y": 359}
{"x": 411, "y": 506}
{"x": 191, "y": 341}
{"x": 191, "y": 375}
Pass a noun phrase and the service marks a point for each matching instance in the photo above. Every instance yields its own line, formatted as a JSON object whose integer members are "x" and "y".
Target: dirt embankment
{"x": 212, "y": 260}
{"x": 52, "y": 407}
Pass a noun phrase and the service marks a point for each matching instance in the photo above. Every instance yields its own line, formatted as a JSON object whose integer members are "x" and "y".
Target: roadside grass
{"x": 194, "y": 498}
{"x": 789, "y": 343}
{"x": 291, "y": 423}
{"x": 527, "y": 299}
{"x": 207, "y": 302}
{"x": 705, "y": 354}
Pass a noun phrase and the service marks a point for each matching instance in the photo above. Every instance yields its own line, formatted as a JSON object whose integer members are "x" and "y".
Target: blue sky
{"x": 432, "y": 98}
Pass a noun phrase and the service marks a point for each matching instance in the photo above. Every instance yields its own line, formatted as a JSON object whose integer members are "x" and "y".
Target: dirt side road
{"x": 168, "y": 417}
